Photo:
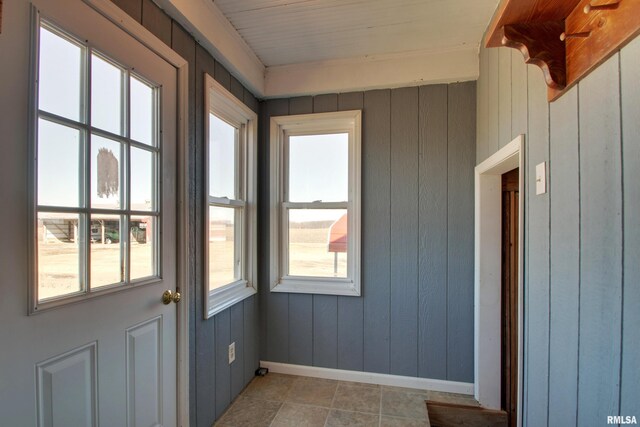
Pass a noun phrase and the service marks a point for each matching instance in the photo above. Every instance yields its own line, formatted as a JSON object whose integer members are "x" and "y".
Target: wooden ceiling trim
{"x": 567, "y": 39}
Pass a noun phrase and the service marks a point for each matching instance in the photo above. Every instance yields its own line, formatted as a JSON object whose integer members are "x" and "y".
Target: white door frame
{"x": 488, "y": 271}
{"x": 144, "y": 36}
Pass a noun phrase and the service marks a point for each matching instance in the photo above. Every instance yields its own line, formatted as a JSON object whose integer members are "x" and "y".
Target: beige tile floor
{"x": 278, "y": 400}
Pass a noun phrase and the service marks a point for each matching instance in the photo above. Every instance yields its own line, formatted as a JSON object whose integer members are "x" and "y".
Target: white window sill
{"x": 303, "y": 285}
{"x": 223, "y": 298}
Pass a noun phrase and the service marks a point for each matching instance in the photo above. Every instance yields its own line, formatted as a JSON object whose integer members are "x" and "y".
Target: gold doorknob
{"x": 168, "y": 296}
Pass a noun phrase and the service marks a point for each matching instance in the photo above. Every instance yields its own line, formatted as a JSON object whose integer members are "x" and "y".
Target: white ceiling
{"x": 296, "y": 31}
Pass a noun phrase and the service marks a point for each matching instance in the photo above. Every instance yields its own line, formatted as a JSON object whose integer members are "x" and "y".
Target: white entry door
{"x": 89, "y": 165}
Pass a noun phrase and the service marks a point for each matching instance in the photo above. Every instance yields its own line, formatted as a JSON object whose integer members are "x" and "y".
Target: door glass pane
{"x": 59, "y": 159}
{"x": 142, "y": 112}
{"x": 143, "y": 246}
{"x": 222, "y": 250}
{"x": 318, "y": 242}
{"x": 58, "y": 255}
{"x": 141, "y": 179}
{"x": 106, "y": 176}
{"x": 106, "y": 253}
{"x": 222, "y": 158}
{"x": 106, "y": 95}
{"x": 318, "y": 168}
{"x": 60, "y": 76}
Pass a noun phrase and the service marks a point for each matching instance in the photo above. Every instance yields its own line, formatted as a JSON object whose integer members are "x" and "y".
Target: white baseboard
{"x": 369, "y": 378}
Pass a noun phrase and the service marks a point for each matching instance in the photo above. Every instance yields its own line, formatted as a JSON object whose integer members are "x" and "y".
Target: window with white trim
{"x": 315, "y": 203}
{"x": 230, "y": 245}
{"x": 96, "y": 179}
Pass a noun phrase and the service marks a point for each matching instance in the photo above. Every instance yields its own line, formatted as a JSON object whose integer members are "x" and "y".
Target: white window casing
{"x": 281, "y": 129}
{"x": 225, "y": 106}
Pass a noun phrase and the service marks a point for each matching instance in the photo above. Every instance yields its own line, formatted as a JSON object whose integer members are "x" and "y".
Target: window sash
{"x": 287, "y": 206}
{"x": 239, "y": 245}
{"x": 238, "y": 204}
{"x": 284, "y": 227}
{"x": 240, "y": 157}
{"x": 225, "y": 106}
{"x": 84, "y": 210}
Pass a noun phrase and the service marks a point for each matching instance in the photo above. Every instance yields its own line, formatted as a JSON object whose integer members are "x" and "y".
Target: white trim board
{"x": 372, "y": 72}
{"x": 369, "y": 378}
{"x": 488, "y": 269}
{"x": 213, "y": 30}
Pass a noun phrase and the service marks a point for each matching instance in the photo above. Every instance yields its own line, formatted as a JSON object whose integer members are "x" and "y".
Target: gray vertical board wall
{"x": 209, "y": 378}
{"x": 433, "y": 231}
{"x": 460, "y": 225}
{"x": 388, "y": 329}
{"x": 274, "y": 307}
{"x": 600, "y": 244}
{"x": 376, "y": 233}
{"x": 404, "y": 239}
{"x": 482, "y": 109}
{"x": 537, "y": 253}
{"x": 504, "y": 97}
{"x": 565, "y": 259}
{"x": 582, "y": 242}
{"x": 630, "y": 92}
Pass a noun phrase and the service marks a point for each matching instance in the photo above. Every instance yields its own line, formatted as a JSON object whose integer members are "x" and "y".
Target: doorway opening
{"x": 488, "y": 362}
{"x": 509, "y": 305}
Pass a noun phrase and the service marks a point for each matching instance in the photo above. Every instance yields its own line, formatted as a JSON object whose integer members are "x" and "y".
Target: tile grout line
{"x": 333, "y": 399}
{"x": 380, "y": 411}
{"x": 276, "y": 415}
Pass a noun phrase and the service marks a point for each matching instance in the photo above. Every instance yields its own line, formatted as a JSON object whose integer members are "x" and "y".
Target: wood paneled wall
{"x": 213, "y": 382}
{"x": 415, "y": 317}
{"x": 582, "y": 238}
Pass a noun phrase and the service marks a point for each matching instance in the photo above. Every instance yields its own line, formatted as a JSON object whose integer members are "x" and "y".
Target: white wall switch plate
{"x": 541, "y": 178}
{"x": 232, "y": 352}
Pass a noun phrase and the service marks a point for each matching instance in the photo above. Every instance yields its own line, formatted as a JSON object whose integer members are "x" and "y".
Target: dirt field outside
{"x": 59, "y": 266}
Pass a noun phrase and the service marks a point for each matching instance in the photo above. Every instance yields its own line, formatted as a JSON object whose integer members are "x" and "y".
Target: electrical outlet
{"x": 232, "y": 352}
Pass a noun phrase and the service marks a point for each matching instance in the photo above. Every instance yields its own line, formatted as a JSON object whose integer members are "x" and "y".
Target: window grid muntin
{"x": 86, "y": 131}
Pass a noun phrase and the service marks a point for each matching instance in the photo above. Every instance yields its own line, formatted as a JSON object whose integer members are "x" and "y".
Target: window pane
{"x": 105, "y": 173}
{"x": 222, "y": 158}
{"x": 318, "y": 242}
{"x": 60, "y": 76}
{"x": 141, "y": 179}
{"x": 318, "y": 168}
{"x": 106, "y": 95}
{"x": 58, "y": 255}
{"x": 223, "y": 258}
{"x": 142, "y": 112}
{"x": 106, "y": 253}
{"x": 59, "y": 159}
{"x": 143, "y": 246}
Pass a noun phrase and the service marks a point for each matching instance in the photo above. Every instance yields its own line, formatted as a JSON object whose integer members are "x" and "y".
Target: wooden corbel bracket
{"x": 540, "y": 45}
{"x": 567, "y": 39}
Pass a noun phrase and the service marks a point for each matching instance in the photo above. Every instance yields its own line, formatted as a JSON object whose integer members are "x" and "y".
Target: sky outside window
{"x": 318, "y": 171}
